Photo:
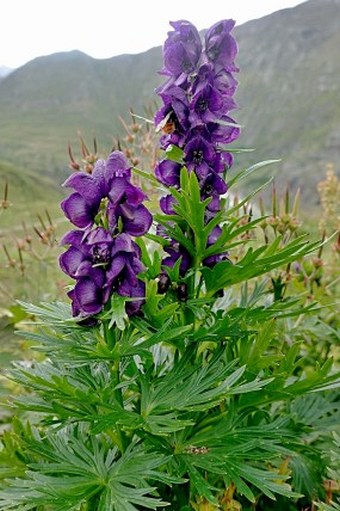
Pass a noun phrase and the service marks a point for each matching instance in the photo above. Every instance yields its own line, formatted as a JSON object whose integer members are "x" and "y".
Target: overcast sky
{"x": 105, "y": 28}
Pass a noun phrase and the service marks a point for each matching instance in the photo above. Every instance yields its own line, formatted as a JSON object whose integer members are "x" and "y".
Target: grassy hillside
{"x": 28, "y": 260}
{"x": 28, "y": 193}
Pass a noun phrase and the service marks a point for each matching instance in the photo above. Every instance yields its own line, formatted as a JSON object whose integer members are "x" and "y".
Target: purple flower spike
{"x": 182, "y": 49}
{"x": 101, "y": 257}
{"x": 197, "y": 98}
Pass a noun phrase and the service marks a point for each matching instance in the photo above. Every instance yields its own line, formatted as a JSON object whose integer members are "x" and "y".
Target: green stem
{"x": 111, "y": 339}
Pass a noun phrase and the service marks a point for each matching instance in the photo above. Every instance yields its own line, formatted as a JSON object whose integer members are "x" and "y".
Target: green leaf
{"x": 200, "y": 485}
{"x": 174, "y": 153}
{"x": 117, "y": 313}
{"x": 255, "y": 263}
{"x": 73, "y": 471}
{"x": 249, "y": 170}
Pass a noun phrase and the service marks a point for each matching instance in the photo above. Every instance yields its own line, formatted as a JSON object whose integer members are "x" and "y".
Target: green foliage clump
{"x": 210, "y": 400}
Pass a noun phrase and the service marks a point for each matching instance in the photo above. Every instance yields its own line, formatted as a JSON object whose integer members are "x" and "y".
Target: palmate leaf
{"x": 86, "y": 393}
{"x": 191, "y": 388}
{"x": 285, "y": 387}
{"x": 55, "y": 313}
{"x": 243, "y": 474}
{"x": 75, "y": 469}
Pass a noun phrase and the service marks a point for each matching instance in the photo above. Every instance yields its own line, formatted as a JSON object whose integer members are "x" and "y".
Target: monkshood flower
{"x": 182, "y": 49}
{"x": 214, "y": 259}
{"x": 220, "y": 46}
{"x": 101, "y": 256}
{"x": 101, "y": 265}
{"x": 107, "y": 190}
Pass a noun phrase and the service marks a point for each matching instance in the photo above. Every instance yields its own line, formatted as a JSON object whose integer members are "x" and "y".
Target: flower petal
{"x": 77, "y": 210}
{"x": 88, "y": 296}
{"x": 86, "y": 186}
{"x": 70, "y": 261}
{"x": 141, "y": 222}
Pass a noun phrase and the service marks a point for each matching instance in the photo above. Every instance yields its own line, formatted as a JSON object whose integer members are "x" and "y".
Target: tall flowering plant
{"x": 175, "y": 377}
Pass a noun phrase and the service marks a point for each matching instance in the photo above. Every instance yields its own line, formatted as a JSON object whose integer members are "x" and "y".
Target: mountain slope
{"x": 289, "y": 92}
{"x": 288, "y": 96}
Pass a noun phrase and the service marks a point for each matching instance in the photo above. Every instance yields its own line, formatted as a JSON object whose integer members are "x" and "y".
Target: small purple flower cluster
{"x": 197, "y": 98}
{"x": 101, "y": 255}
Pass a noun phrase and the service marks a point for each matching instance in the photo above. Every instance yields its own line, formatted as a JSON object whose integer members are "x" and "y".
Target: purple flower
{"x": 85, "y": 261}
{"x": 220, "y": 46}
{"x": 212, "y": 188}
{"x": 109, "y": 180}
{"x": 222, "y": 131}
{"x": 214, "y": 259}
{"x": 125, "y": 203}
{"x": 82, "y": 206}
{"x": 207, "y": 105}
{"x": 101, "y": 265}
{"x": 182, "y": 49}
{"x": 117, "y": 166}
{"x": 175, "y": 109}
{"x": 167, "y": 203}
{"x": 199, "y": 155}
{"x": 224, "y": 81}
{"x": 177, "y": 252}
{"x": 167, "y": 172}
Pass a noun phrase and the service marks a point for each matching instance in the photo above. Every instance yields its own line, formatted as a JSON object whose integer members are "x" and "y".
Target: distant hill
{"x": 288, "y": 97}
{"x": 289, "y": 92}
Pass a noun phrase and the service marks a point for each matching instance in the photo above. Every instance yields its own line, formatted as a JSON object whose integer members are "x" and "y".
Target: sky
{"x": 105, "y": 28}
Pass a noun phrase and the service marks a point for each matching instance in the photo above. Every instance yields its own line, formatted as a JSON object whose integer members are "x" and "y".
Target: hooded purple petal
{"x": 182, "y": 49}
{"x": 78, "y": 211}
{"x": 167, "y": 204}
{"x": 70, "y": 260}
{"x": 117, "y": 165}
{"x": 137, "y": 291}
{"x": 167, "y": 172}
{"x": 220, "y": 46}
{"x": 87, "y": 186}
{"x": 140, "y": 223}
{"x": 88, "y": 296}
